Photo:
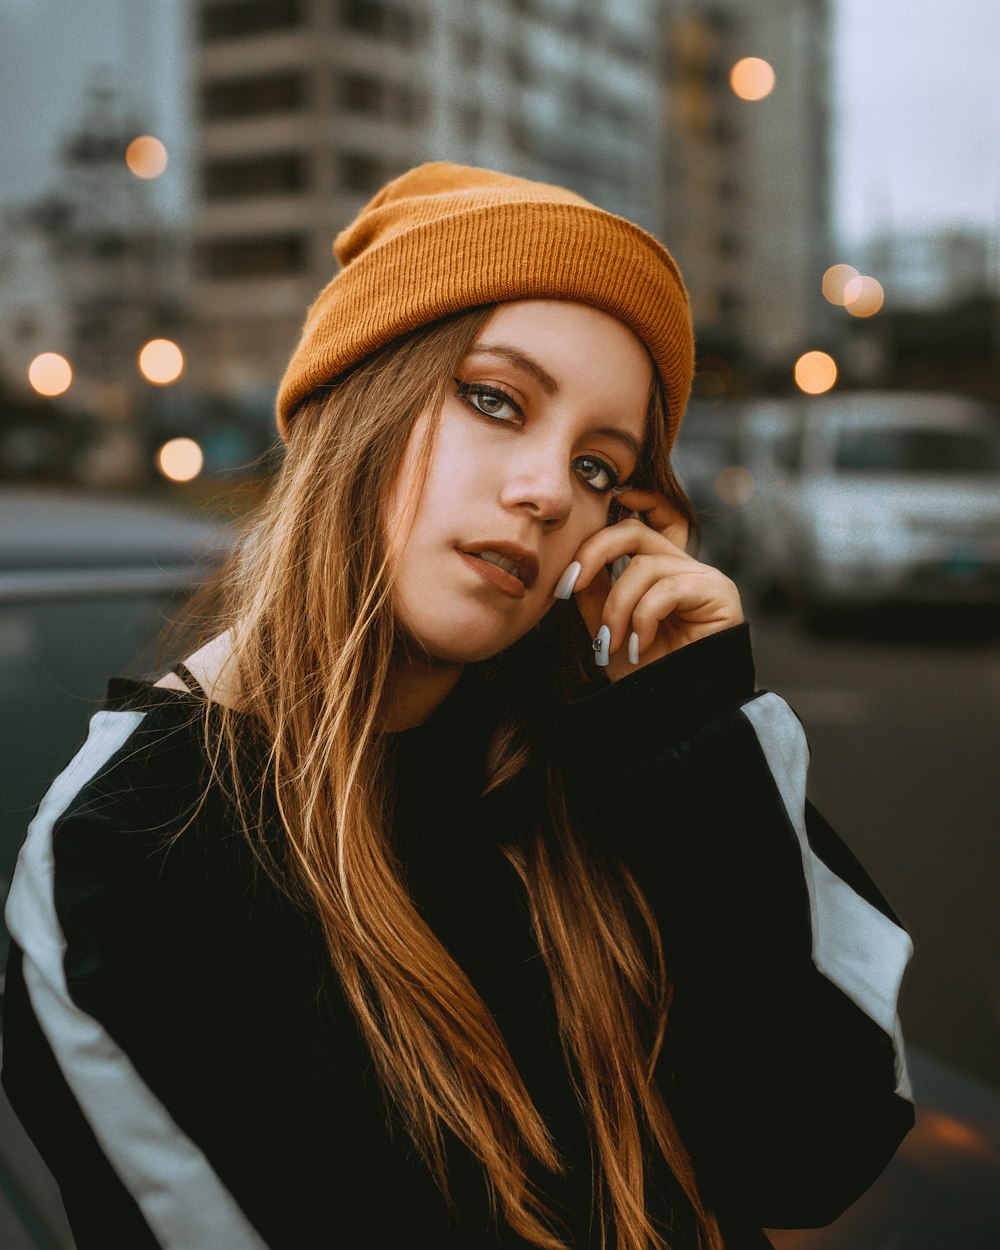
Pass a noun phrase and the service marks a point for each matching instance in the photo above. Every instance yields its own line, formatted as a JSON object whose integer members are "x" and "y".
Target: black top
{"x": 181, "y": 1052}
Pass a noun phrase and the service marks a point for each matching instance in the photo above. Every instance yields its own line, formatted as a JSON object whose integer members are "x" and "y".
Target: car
{"x": 866, "y": 498}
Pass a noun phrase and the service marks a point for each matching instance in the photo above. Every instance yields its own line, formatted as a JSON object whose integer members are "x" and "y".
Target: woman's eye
{"x": 596, "y": 473}
{"x": 488, "y": 400}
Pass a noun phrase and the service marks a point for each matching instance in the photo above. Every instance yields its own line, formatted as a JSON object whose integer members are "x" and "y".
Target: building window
{"x": 363, "y": 174}
{"x": 270, "y": 256}
{"x": 280, "y": 174}
{"x": 469, "y": 48}
{"x": 397, "y": 102}
{"x": 253, "y": 97}
{"x": 518, "y": 66}
{"x": 381, "y": 20}
{"x": 470, "y": 121}
{"x": 235, "y": 19}
{"x": 519, "y": 137}
{"x": 723, "y": 132}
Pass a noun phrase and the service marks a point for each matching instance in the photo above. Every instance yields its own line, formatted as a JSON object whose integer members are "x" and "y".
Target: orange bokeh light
{"x": 752, "y": 78}
{"x": 146, "y": 157}
{"x": 180, "y": 459}
{"x": 835, "y": 281}
{"x": 735, "y": 485}
{"x": 50, "y": 374}
{"x": 161, "y": 361}
{"x": 863, "y": 296}
{"x": 815, "y": 372}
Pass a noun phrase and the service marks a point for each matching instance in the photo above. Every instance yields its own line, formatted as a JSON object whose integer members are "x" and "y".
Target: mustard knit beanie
{"x": 443, "y": 238}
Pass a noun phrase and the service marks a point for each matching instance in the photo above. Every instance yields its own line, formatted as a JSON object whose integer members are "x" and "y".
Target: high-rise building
{"x": 935, "y": 267}
{"x": 746, "y": 201}
{"x": 306, "y": 107}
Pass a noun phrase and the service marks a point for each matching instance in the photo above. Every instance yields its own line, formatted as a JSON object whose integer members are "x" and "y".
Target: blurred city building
{"x": 934, "y": 268}
{"x": 96, "y": 272}
{"x": 747, "y": 185}
{"x": 306, "y": 109}
{"x": 33, "y": 317}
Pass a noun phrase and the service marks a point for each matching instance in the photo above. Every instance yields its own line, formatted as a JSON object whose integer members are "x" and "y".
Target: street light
{"x": 734, "y": 485}
{"x": 835, "y": 282}
{"x": 50, "y": 374}
{"x": 863, "y": 296}
{"x": 146, "y": 157}
{"x": 815, "y": 372}
{"x": 752, "y": 78}
{"x": 180, "y": 459}
{"x": 161, "y": 361}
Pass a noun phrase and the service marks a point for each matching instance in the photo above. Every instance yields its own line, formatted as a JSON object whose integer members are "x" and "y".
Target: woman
{"x": 459, "y": 891}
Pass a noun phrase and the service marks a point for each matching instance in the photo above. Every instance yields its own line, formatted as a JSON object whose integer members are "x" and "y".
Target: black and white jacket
{"x": 180, "y": 1051}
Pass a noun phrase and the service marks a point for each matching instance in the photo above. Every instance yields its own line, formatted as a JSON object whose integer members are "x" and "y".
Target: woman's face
{"x": 546, "y": 414}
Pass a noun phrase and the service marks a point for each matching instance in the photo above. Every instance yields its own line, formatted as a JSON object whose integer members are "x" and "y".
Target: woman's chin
{"x": 458, "y": 645}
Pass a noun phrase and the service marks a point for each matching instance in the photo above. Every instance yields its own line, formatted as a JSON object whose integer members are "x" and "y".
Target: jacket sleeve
{"x": 784, "y": 1063}
{"x": 108, "y": 1060}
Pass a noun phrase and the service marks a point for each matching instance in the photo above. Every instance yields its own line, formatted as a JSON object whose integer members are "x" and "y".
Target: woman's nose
{"x": 540, "y": 485}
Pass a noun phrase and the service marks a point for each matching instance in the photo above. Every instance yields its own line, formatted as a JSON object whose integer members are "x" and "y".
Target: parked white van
{"x": 874, "y": 497}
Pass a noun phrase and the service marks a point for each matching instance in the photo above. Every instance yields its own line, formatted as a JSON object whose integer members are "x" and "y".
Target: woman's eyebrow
{"x": 521, "y": 360}
{"x": 621, "y": 436}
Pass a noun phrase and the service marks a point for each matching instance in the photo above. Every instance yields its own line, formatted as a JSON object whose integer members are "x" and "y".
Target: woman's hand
{"x": 662, "y": 601}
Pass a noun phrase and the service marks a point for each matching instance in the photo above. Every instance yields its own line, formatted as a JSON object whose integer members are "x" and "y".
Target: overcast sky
{"x": 917, "y": 107}
{"x": 918, "y": 103}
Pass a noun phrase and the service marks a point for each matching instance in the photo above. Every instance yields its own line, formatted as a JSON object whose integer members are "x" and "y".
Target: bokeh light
{"x": 50, "y": 374}
{"x": 836, "y": 279}
{"x": 954, "y": 1132}
{"x": 146, "y": 157}
{"x": 815, "y": 372}
{"x": 161, "y": 361}
{"x": 863, "y": 296}
{"x": 712, "y": 376}
{"x": 180, "y": 459}
{"x": 752, "y": 78}
{"x": 735, "y": 485}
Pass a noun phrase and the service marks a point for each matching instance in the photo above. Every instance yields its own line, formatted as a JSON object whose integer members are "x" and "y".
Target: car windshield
{"x": 918, "y": 451}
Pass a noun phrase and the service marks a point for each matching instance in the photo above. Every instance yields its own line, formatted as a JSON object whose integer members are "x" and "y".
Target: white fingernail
{"x": 602, "y": 645}
{"x": 564, "y": 587}
{"x": 633, "y": 648}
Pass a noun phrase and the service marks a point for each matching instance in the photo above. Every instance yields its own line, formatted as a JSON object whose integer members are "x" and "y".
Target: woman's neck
{"x": 418, "y": 684}
{"x": 418, "y": 688}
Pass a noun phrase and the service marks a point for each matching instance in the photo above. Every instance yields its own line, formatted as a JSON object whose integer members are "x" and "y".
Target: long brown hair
{"x": 307, "y": 600}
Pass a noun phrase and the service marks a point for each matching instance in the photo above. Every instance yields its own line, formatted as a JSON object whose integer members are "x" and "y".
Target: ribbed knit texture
{"x": 443, "y": 238}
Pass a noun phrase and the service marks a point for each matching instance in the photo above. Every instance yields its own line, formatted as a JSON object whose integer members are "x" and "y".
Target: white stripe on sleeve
{"x": 182, "y": 1200}
{"x": 854, "y": 945}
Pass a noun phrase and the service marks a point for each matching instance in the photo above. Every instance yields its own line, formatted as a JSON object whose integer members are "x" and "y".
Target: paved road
{"x": 904, "y": 728}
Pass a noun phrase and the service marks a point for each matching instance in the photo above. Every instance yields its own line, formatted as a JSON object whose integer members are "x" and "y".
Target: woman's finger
{"x": 693, "y": 600}
{"x": 658, "y": 513}
{"x": 627, "y": 538}
{"x": 642, "y": 574}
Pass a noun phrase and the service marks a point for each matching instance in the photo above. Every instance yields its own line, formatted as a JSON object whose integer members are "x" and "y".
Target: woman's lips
{"x": 496, "y": 576}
